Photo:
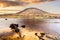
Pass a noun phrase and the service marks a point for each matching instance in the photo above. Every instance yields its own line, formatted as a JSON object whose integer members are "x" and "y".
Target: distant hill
{"x": 35, "y": 11}
{"x": 32, "y": 11}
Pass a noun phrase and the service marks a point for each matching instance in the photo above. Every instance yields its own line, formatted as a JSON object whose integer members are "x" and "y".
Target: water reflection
{"x": 53, "y": 25}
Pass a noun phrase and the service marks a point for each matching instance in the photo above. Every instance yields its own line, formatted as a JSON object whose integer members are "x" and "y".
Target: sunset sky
{"x": 51, "y": 7}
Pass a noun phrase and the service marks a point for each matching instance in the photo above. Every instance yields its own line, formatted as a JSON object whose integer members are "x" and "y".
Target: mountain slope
{"x": 32, "y": 11}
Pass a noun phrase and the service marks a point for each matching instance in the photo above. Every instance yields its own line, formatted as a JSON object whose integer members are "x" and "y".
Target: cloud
{"x": 35, "y": 1}
{"x": 21, "y": 2}
{"x": 8, "y": 3}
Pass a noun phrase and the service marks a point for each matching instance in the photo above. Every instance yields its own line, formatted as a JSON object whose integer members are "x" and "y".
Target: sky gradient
{"x": 51, "y": 7}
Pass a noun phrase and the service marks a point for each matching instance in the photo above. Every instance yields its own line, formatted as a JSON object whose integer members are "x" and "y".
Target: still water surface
{"x": 53, "y": 24}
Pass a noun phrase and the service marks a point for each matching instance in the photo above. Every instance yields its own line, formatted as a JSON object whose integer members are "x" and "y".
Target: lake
{"x": 53, "y": 25}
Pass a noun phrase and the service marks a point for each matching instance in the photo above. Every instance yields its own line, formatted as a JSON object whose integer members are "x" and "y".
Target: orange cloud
{"x": 8, "y": 3}
{"x": 5, "y": 3}
{"x": 35, "y": 1}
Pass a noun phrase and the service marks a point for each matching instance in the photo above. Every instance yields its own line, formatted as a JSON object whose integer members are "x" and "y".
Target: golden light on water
{"x": 30, "y": 35}
{"x": 26, "y": 35}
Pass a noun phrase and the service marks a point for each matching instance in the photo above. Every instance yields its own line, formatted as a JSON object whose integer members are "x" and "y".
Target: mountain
{"x": 29, "y": 12}
{"x": 32, "y": 11}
